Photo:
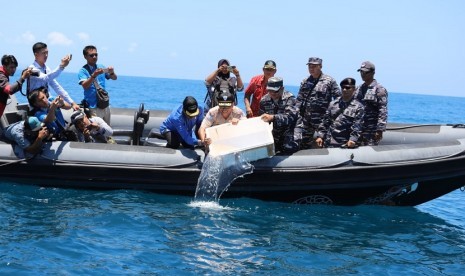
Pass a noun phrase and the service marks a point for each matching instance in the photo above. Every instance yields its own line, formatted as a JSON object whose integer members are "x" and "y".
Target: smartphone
{"x": 70, "y": 56}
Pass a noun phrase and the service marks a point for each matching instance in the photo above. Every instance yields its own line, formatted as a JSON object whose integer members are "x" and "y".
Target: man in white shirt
{"x": 46, "y": 77}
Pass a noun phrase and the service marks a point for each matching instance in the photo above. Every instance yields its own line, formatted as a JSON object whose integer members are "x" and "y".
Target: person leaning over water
{"x": 46, "y": 77}
{"x": 342, "y": 123}
{"x": 224, "y": 112}
{"x": 221, "y": 80}
{"x": 91, "y": 130}
{"x": 92, "y": 73}
{"x": 28, "y": 137}
{"x": 181, "y": 126}
{"x": 257, "y": 89}
{"x": 375, "y": 99}
{"x": 278, "y": 107}
{"x": 8, "y": 68}
{"x": 315, "y": 94}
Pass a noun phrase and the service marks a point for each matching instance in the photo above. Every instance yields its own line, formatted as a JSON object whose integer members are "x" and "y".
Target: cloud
{"x": 132, "y": 47}
{"x": 56, "y": 38}
{"x": 84, "y": 37}
{"x": 28, "y": 37}
{"x": 25, "y": 38}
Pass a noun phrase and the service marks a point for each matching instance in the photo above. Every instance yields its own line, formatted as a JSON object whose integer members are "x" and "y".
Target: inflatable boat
{"x": 412, "y": 165}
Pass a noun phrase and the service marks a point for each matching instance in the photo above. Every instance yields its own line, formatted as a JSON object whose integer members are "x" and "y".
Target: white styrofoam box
{"x": 251, "y": 137}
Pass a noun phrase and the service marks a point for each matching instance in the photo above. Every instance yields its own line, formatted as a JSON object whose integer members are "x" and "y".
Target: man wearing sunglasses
{"x": 375, "y": 98}
{"x": 93, "y": 73}
{"x": 342, "y": 123}
{"x": 278, "y": 107}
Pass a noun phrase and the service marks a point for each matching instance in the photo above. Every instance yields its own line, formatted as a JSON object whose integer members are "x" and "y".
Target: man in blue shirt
{"x": 48, "y": 110}
{"x": 90, "y": 75}
{"x": 178, "y": 128}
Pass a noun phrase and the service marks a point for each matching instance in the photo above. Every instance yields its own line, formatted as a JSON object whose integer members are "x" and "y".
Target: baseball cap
{"x": 269, "y": 64}
{"x": 366, "y": 67}
{"x": 314, "y": 60}
{"x": 76, "y": 116}
{"x": 190, "y": 106}
{"x": 34, "y": 123}
{"x": 225, "y": 98}
{"x": 347, "y": 81}
{"x": 274, "y": 83}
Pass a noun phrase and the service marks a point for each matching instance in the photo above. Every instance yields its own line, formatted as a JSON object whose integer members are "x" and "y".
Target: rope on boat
{"x": 16, "y": 161}
{"x": 176, "y": 166}
{"x": 424, "y": 125}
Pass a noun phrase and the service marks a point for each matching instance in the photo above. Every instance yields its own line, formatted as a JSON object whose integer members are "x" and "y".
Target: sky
{"x": 417, "y": 45}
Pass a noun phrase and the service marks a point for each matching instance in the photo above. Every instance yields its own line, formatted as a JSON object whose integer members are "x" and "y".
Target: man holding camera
{"x": 48, "y": 110}
{"x": 221, "y": 80}
{"x": 43, "y": 76}
{"x": 91, "y": 130}
{"x": 92, "y": 75}
{"x": 8, "y": 68}
{"x": 27, "y": 136}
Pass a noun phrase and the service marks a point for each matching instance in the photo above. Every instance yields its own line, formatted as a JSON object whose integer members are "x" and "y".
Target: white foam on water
{"x": 208, "y": 205}
{"x": 218, "y": 172}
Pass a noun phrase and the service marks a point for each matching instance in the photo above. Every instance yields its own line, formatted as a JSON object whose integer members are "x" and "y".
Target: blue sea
{"x": 53, "y": 231}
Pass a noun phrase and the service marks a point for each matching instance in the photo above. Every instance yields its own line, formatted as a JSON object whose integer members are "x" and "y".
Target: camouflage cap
{"x": 314, "y": 60}
{"x": 274, "y": 83}
{"x": 367, "y": 67}
{"x": 269, "y": 64}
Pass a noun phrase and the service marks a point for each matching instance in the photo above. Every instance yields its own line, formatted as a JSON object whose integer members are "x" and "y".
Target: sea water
{"x": 53, "y": 231}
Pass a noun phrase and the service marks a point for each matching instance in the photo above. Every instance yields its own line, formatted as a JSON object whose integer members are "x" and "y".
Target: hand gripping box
{"x": 252, "y": 138}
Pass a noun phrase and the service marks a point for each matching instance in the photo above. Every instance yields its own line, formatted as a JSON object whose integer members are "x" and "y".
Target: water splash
{"x": 218, "y": 172}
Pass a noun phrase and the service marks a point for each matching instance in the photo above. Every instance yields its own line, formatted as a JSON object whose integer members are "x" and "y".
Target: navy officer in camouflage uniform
{"x": 315, "y": 94}
{"x": 278, "y": 107}
{"x": 375, "y": 98}
{"x": 342, "y": 123}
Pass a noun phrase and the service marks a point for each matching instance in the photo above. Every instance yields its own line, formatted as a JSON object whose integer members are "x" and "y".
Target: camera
{"x": 35, "y": 72}
{"x": 105, "y": 70}
{"x": 231, "y": 68}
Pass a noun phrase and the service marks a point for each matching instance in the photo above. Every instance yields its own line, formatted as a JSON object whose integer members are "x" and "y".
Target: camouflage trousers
{"x": 303, "y": 138}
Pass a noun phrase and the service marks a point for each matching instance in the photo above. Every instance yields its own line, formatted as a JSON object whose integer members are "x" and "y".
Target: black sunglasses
{"x": 92, "y": 55}
{"x": 347, "y": 87}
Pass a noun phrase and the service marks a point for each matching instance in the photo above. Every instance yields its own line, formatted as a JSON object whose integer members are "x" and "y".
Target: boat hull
{"x": 413, "y": 164}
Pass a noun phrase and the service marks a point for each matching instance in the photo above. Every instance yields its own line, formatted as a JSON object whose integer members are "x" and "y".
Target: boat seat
{"x": 154, "y": 138}
{"x": 14, "y": 112}
{"x": 122, "y": 136}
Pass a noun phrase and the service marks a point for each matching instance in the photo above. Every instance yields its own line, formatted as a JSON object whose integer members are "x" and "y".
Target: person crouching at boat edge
{"x": 224, "y": 112}
{"x": 91, "y": 130}
{"x": 28, "y": 137}
{"x": 342, "y": 123}
{"x": 181, "y": 126}
{"x": 278, "y": 107}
